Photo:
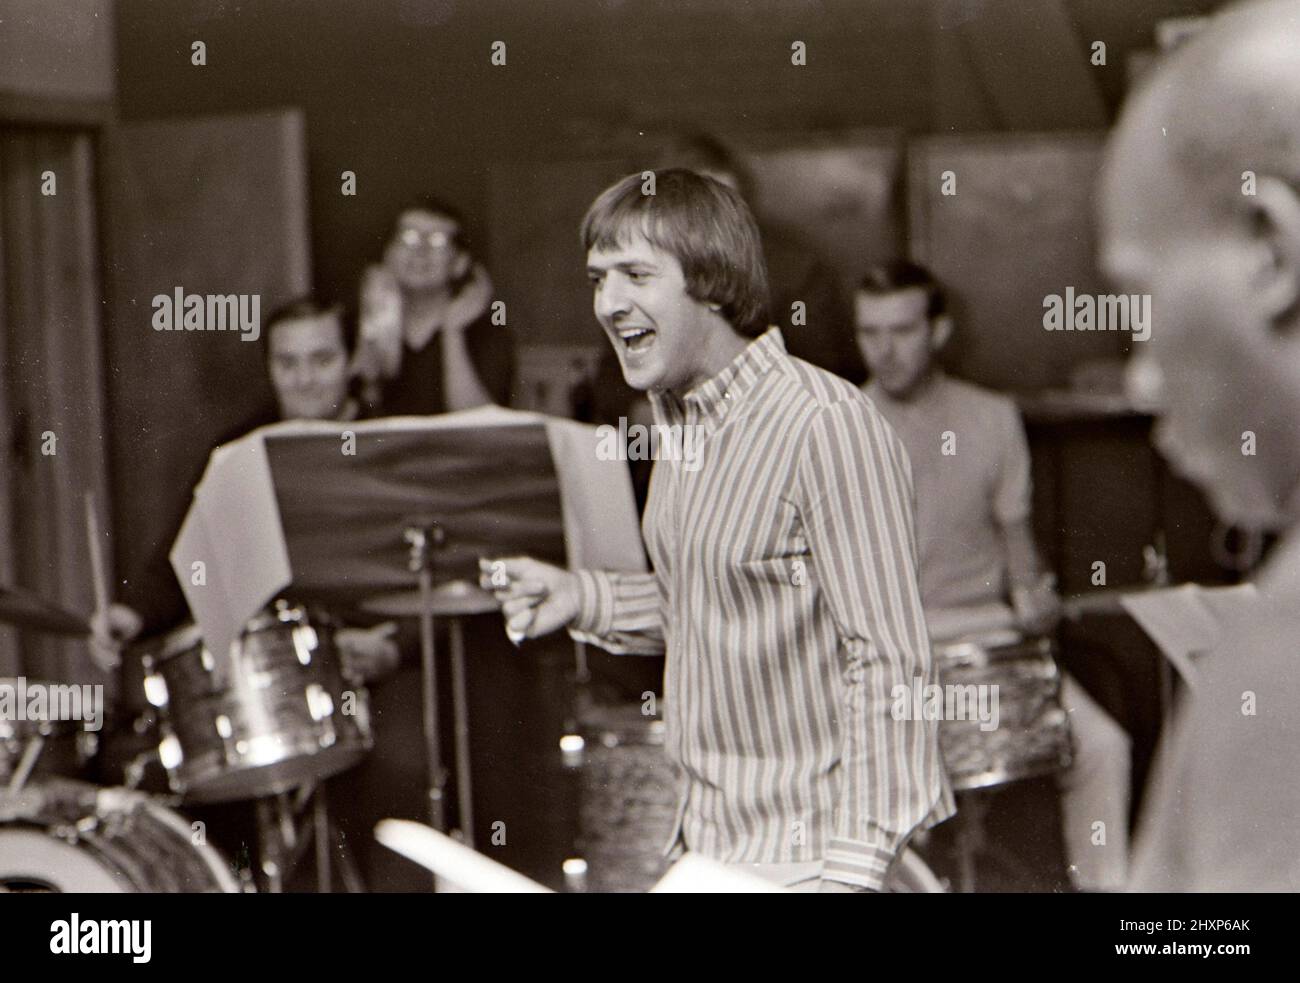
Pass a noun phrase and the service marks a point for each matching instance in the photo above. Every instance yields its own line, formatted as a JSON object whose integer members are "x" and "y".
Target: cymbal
{"x": 24, "y": 609}
{"x": 455, "y": 597}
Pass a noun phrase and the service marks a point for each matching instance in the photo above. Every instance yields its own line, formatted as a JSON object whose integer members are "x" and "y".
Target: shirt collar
{"x": 711, "y": 398}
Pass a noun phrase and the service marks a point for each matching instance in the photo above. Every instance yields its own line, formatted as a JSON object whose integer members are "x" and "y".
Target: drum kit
{"x": 266, "y": 722}
{"x": 274, "y": 717}
{"x": 278, "y": 714}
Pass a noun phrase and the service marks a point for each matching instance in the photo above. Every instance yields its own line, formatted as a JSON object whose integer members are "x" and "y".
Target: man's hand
{"x": 111, "y": 629}
{"x": 368, "y": 652}
{"x": 536, "y": 598}
{"x": 1038, "y": 608}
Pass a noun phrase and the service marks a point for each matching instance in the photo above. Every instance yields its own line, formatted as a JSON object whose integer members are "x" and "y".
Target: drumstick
{"x": 98, "y": 579}
{"x": 98, "y": 570}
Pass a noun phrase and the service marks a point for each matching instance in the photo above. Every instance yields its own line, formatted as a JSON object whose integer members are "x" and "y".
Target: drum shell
{"x": 74, "y": 837}
{"x": 268, "y": 719}
{"x": 1032, "y": 738}
{"x": 627, "y": 799}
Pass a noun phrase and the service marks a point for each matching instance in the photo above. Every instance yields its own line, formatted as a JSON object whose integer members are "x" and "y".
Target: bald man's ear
{"x": 1277, "y": 210}
{"x": 940, "y": 332}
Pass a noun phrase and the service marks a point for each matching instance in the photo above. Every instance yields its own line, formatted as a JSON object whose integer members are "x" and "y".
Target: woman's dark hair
{"x": 437, "y": 206}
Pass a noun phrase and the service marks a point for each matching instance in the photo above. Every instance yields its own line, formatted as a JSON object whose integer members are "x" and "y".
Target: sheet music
{"x": 1188, "y": 620}
{"x": 235, "y": 529}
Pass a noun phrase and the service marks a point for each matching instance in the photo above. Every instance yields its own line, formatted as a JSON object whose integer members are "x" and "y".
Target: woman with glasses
{"x": 428, "y": 341}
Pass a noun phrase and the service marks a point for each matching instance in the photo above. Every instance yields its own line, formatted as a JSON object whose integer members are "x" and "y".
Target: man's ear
{"x": 940, "y": 332}
{"x": 1277, "y": 211}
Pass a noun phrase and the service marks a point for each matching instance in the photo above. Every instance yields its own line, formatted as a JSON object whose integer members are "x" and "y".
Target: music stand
{"x": 398, "y": 512}
{"x": 413, "y": 509}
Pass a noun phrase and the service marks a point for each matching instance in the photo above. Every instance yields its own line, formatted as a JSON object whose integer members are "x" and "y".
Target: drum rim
{"x": 1005, "y": 773}
{"x": 114, "y": 801}
{"x": 184, "y": 638}
{"x": 964, "y": 653}
{"x": 213, "y": 763}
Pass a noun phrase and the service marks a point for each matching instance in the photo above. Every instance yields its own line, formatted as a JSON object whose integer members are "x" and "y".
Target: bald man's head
{"x": 1200, "y": 208}
{"x": 1226, "y": 97}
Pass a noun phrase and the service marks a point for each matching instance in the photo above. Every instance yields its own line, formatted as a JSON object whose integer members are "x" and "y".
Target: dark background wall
{"x": 402, "y": 91}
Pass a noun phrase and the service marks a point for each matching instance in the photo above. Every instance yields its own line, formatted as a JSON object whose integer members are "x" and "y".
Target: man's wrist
{"x": 860, "y": 863}
{"x": 593, "y": 603}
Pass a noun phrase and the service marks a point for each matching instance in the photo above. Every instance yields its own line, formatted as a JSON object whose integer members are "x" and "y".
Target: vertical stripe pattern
{"x": 785, "y": 596}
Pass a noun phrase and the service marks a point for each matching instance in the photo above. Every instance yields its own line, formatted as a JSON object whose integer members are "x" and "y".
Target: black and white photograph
{"x": 649, "y": 446}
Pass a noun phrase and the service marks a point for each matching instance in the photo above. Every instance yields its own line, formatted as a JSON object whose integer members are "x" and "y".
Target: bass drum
{"x": 628, "y": 802}
{"x": 62, "y": 837}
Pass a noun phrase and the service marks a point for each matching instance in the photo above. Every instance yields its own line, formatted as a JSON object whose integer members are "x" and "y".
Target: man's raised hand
{"x": 536, "y": 598}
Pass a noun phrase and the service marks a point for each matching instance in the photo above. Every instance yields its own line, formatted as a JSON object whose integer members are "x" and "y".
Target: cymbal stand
{"x": 423, "y": 540}
{"x": 285, "y": 831}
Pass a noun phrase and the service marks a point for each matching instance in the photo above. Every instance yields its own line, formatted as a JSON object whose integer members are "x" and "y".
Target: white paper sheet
{"x": 1187, "y": 620}
{"x": 233, "y": 526}
{"x": 233, "y": 530}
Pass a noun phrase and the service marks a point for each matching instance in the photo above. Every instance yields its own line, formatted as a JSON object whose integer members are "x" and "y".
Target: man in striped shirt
{"x": 785, "y": 587}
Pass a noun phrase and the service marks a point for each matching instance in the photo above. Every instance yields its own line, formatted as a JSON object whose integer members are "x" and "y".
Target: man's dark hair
{"x": 704, "y": 225}
{"x": 310, "y": 307}
{"x": 903, "y": 274}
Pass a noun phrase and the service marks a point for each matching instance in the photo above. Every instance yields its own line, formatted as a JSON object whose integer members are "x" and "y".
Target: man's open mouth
{"x": 637, "y": 339}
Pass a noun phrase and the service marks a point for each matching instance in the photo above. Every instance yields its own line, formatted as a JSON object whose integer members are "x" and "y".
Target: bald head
{"x": 1199, "y": 209}
{"x": 1223, "y": 104}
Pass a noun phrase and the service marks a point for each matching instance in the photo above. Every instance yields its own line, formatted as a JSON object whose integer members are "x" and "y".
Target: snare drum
{"x": 272, "y": 716}
{"x": 1032, "y": 735}
{"x": 60, "y": 836}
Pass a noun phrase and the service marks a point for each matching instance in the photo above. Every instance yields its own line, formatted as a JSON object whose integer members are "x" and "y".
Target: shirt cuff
{"x": 595, "y": 615}
{"x": 858, "y": 862}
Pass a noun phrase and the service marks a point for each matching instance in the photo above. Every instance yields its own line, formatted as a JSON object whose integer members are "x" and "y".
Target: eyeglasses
{"x": 438, "y": 240}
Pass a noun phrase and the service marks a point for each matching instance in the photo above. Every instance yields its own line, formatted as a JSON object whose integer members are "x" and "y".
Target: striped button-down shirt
{"x": 785, "y": 596}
